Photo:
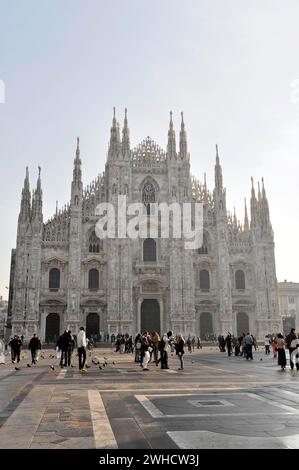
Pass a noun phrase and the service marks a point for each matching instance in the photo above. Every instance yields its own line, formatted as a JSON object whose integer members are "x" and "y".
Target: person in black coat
{"x": 15, "y": 346}
{"x": 179, "y": 349}
{"x": 228, "y": 342}
{"x": 62, "y": 344}
{"x": 34, "y": 345}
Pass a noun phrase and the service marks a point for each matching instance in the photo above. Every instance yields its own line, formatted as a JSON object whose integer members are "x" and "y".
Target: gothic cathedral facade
{"x": 66, "y": 277}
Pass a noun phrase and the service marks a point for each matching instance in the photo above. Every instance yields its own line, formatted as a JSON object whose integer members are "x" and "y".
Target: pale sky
{"x": 231, "y": 65}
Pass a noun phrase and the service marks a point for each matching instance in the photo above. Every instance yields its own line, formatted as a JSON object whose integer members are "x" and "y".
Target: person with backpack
{"x": 248, "y": 343}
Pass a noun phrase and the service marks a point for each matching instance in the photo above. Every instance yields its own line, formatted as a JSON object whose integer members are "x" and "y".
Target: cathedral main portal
{"x": 150, "y": 316}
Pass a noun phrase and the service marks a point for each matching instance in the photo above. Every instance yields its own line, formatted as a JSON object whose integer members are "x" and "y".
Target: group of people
{"x": 279, "y": 345}
{"x": 153, "y": 348}
{"x": 16, "y": 345}
{"x": 241, "y": 346}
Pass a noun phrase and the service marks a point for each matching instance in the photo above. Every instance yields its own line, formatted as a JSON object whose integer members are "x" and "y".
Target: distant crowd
{"x": 152, "y": 348}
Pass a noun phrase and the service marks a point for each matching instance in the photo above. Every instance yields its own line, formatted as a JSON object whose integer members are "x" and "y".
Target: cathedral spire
{"x": 25, "y": 210}
{"x": 183, "y": 140}
{"x": 265, "y": 205}
{"x": 77, "y": 174}
{"x": 114, "y": 139}
{"x": 171, "y": 146}
{"x": 235, "y": 221}
{"x": 253, "y": 205}
{"x": 259, "y": 192}
{"x": 37, "y": 202}
{"x": 126, "y": 137}
{"x": 246, "y": 221}
{"x": 218, "y": 173}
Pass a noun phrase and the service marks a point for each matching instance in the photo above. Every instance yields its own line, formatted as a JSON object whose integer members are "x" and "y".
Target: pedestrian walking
{"x": 189, "y": 344}
{"x": 81, "y": 347}
{"x": 15, "y": 348}
{"x": 267, "y": 344}
{"x": 70, "y": 347}
{"x": 33, "y": 348}
{"x": 146, "y": 350}
{"x": 282, "y": 361}
{"x": 2, "y": 352}
{"x": 248, "y": 343}
{"x": 228, "y": 343}
{"x": 274, "y": 346}
{"x": 62, "y": 345}
{"x": 155, "y": 345}
{"x": 179, "y": 347}
{"x": 164, "y": 347}
{"x": 292, "y": 343}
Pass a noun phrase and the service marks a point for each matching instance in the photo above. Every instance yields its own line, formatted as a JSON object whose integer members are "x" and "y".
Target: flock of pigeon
{"x": 96, "y": 361}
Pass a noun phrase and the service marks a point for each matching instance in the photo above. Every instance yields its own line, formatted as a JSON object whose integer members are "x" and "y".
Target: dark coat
{"x": 179, "y": 347}
{"x": 34, "y": 344}
{"x": 15, "y": 344}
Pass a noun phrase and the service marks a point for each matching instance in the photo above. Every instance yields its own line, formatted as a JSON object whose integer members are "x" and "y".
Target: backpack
{"x": 161, "y": 346}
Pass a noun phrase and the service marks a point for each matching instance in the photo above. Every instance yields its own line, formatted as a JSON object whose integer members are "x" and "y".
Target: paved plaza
{"x": 216, "y": 402}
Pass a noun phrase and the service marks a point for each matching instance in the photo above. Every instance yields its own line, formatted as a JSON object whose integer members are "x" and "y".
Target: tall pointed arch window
{"x": 148, "y": 196}
{"x": 94, "y": 243}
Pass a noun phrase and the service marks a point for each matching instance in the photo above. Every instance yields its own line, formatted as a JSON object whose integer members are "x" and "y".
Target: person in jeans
{"x": 164, "y": 348}
{"x": 179, "y": 346}
{"x": 248, "y": 342}
{"x": 81, "y": 345}
{"x": 33, "y": 348}
{"x": 267, "y": 343}
{"x": 15, "y": 346}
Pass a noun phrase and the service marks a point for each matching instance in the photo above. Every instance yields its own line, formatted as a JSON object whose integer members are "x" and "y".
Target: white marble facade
{"x": 66, "y": 277}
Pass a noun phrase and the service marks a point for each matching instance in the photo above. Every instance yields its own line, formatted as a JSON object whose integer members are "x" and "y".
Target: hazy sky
{"x": 231, "y": 65}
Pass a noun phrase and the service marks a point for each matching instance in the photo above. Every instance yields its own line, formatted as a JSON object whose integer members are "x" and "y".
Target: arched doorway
{"x": 242, "y": 323}
{"x": 205, "y": 325}
{"x": 52, "y": 328}
{"x": 150, "y": 316}
{"x": 92, "y": 324}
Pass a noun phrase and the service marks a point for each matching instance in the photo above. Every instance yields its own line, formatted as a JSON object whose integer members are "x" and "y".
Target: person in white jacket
{"x": 81, "y": 345}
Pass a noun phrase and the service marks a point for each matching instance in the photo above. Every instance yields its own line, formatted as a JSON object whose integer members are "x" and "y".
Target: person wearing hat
{"x": 81, "y": 345}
